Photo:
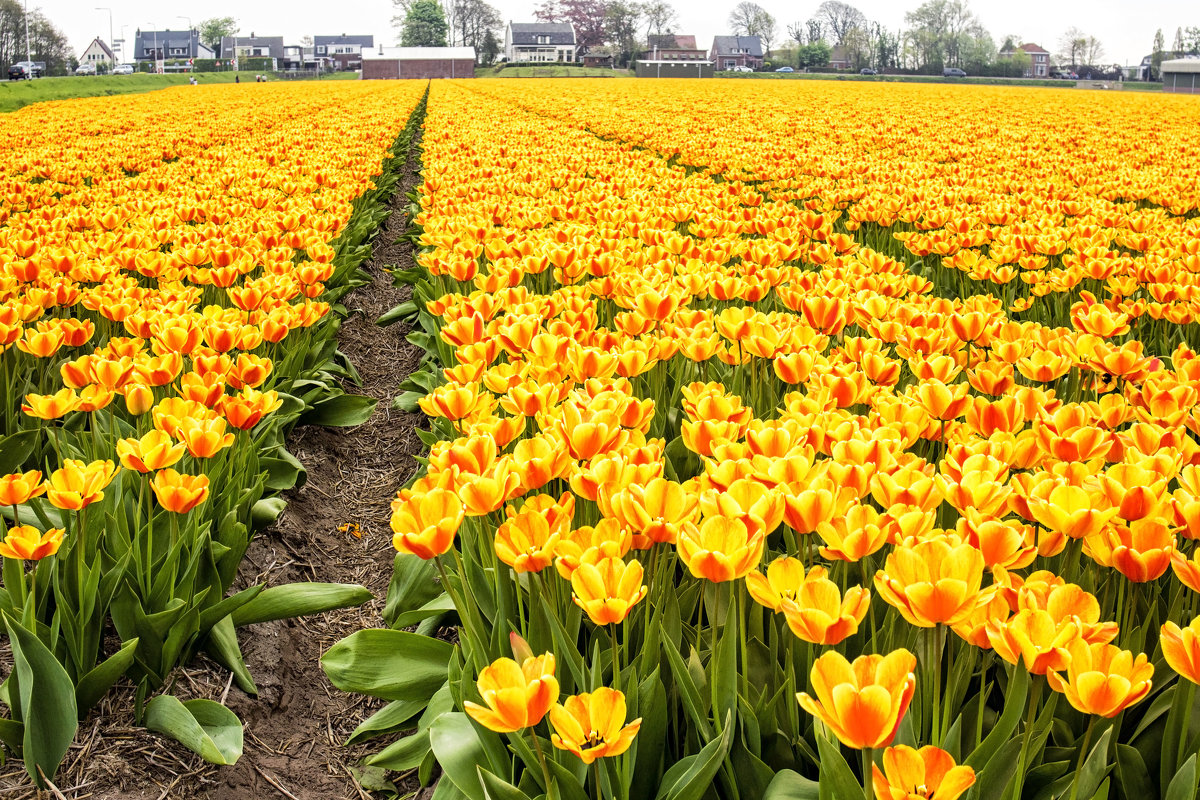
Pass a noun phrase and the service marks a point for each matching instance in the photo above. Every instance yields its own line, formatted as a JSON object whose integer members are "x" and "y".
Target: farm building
{"x": 1181, "y": 75}
{"x": 418, "y": 62}
{"x": 674, "y": 69}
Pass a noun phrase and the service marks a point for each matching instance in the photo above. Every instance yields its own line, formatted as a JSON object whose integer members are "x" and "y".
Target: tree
{"x": 548, "y": 11}
{"x": 840, "y": 19}
{"x": 622, "y": 19}
{"x": 1191, "y": 41}
{"x": 941, "y": 32}
{"x": 1156, "y": 55}
{"x": 1177, "y": 45}
{"x": 213, "y": 30}
{"x": 469, "y": 21}
{"x": 424, "y": 25}
{"x": 489, "y": 48}
{"x": 1071, "y": 47}
{"x": 588, "y": 17}
{"x": 660, "y": 17}
{"x": 751, "y": 19}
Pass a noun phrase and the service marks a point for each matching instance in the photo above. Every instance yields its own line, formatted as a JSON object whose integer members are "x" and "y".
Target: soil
{"x": 295, "y": 729}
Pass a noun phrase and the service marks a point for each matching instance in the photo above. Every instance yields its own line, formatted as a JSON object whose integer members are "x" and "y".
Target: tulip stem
{"x": 868, "y": 759}
{"x": 1087, "y": 739}
{"x": 616, "y": 659}
{"x": 1030, "y": 717}
{"x": 596, "y": 778}
{"x": 537, "y": 747}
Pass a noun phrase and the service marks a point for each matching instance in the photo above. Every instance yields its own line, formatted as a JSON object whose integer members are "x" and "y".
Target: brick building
{"x": 418, "y": 63}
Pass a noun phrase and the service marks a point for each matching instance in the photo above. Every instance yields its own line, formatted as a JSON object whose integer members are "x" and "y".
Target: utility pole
{"x": 28, "y": 50}
{"x": 111, "y": 43}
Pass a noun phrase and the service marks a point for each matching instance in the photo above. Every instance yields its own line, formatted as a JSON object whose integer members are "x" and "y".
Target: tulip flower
{"x": 592, "y": 725}
{"x": 862, "y": 702}
{"x": 933, "y": 582}
{"x": 77, "y": 485}
{"x": 1181, "y": 648}
{"x": 782, "y": 582}
{"x": 608, "y": 589}
{"x": 1141, "y": 552}
{"x": 21, "y": 487}
{"x": 720, "y": 549}
{"x": 155, "y": 450}
{"x": 820, "y": 615}
{"x": 179, "y": 493}
{"x": 1103, "y": 679}
{"x": 424, "y": 525}
{"x": 926, "y": 774}
{"x": 852, "y": 536}
{"x": 1034, "y": 638}
{"x": 27, "y": 543}
{"x": 526, "y": 542}
{"x": 515, "y": 696}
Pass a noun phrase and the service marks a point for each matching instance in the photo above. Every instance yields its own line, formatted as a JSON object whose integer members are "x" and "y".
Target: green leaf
{"x": 995, "y": 778}
{"x": 298, "y": 600}
{"x": 1095, "y": 768}
{"x": 393, "y": 665}
{"x": 1183, "y": 785}
{"x": 688, "y": 692}
{"x": 207, "y": 728}
{"x": 12, "y": 734}
{"x": 222, "y": 645}
{"x": 16, "y": 448}
{"x": 414, "y": 583}
{"x": 406, "y": 309}
{"x": 47, "y": 698}
{"x": 395, "y": 716}
{"x": 1132, "y": 774}
{"x": 496, "y": 789}
{"x": 456, "y": 744}
{"x": 266, "y": 511}
{"x": 835, "y": 772}
{"x": 789, "y": 785}
{"x": 403, "y": 754}
{"x": 340, "y": 411}
{"x": 92, "y": 686}
{"x": 284, "y": 470}
{"x": 1014, "y": 705}
{"x": 691, "y": 777}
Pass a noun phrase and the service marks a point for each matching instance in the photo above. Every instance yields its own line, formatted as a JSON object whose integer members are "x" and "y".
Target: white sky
{"x": 1125, "y": 28}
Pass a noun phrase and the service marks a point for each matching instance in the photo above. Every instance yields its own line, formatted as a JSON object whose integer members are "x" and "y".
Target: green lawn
{"x": 17, "y": 94}
{"x": 979, "y": 81}
{"x": 555, "y": 71}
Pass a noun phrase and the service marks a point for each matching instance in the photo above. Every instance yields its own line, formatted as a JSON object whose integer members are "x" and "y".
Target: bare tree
{"x": 469, "y": 21}
{"x": 839, "y": 19}
{"x": 751, "y": 19}
{"x": 660, "y": 17}
{"x": 1071, "y": 47}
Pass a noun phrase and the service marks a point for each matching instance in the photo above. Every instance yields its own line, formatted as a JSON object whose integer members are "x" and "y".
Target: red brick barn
{"x": 418, "y": 63}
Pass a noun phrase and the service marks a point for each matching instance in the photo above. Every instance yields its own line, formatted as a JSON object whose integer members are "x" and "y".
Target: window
{"x": 542, "y": 39}
{"x": 321, "y": 49}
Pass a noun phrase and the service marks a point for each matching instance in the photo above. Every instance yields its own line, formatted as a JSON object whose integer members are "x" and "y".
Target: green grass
{"x": 978, "y": 81}
{"x": 555, "y": 71}
{"x": 18, "y": 94}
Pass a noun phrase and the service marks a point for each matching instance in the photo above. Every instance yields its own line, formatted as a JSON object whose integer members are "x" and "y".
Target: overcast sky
{"x": 1126, "y": 28}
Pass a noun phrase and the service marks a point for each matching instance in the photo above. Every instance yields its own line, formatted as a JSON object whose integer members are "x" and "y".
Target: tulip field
{"x": 783, "y": 440}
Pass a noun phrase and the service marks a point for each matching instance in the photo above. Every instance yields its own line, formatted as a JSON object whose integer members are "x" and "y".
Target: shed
{"x": 418, "y": 63}
{"x": 1181, "y": 75}
{"x": 674, "y": 69}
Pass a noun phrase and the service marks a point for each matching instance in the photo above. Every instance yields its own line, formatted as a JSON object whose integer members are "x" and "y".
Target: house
{"x": 839, "y": 58}
{"x": 1039, "y": 60}
{"x": 418, "y": 63}
{"x": 603, "y": 60}
{"x": 540, "y": 42}
{"x": 1181, "y": 75}
{"x": 672, "y": 47}
{"x": 169, "y": 46}
{"x": 662, "y": 68}
{"x": 297, "y": 57}
{"x": 737, "y": 51}
{"x": 344, "y": 51}
{"x": 98, "y": 53}
{"x": 252, "y": 47}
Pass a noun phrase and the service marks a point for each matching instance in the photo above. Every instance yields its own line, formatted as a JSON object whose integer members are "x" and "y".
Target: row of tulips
{"x": 164, "y": 322}
{"x": 711, "y": 512}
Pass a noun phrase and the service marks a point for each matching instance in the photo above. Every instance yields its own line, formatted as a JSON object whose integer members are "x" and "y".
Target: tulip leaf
{"x": 16, "y": 448}
{"x": 459, "y": 749}
{"x": 12, "y": 734}
{"x": 691, "y": 777}
{"x": 299, "y": 600}
{"x": 390, "y": 664}
{"x": 222, "y": 645}
{"x": 994, "y": 779}
{"x": 403, "y": 754}
{"x": 47, "y": 702}
{"x": 340, "y": 411}
{"x": 570, "y": 784}
{"x": 496, "y": 789}
{"x": 651, "y": 738}
{"x": 1095, "y": 767}
{"x": 1183, "y": 785}
{"x": 724, "y": 668}
{"x": 284, "y": 470}
{"x": 395, "y": 716}
{"x": 414, "y": 583}
{"x": 205, "y": 727}
{"x": 836, "y": 779}
{"x": 266, "y": 511}
{"x": 1132, "y": 774}
{"x": 92, "y": 686}
{"x": 789, "y": 785}
{"x": 1014, "y": 705}
{"x": 689, "y": 694}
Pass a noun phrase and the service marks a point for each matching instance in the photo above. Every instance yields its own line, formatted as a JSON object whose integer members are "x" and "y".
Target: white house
{"x": 540, "y": 42}
{"x": 97, "y": 53}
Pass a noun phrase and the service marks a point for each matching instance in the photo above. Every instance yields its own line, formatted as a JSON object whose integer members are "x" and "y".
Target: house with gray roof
{"x": 345, "y": 52}
{"x": 737, "y": 51}
{"x": 540, "y": 42}
{"x": 169, "y": 45}
{"x": 252, "y": 47}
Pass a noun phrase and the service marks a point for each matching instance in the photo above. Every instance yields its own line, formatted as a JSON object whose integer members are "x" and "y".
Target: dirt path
{"x": 295, "y": 728}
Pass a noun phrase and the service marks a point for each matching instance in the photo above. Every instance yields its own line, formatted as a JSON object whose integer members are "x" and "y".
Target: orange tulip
{"x": 935, "y": 581}
{"x": 607, "y": 539}
{"x": 608, "y": 589}
{"x": 203, "y": 437}
{"x": 51, "y": 406}
{"x": 782, "y": 582}
{"x": 862, "y": 702}
{"x": 923, "y": 774}
{"x": 720, "y": 549}
{"x": 27, "y": 543}
{"x": 820, "y": 615}
{"x": 527, "y": 542}
{"x": 21, "y": 487}
{"x": 155, "y": 450}
{"x": 179, "y": 493}
{"x": 1103, "y": 679}
{"x": 1141, "y": 552}
{"x": 424, "y": 525}
{"x": 1181, "y": 648}
{"x": 1033, "y": 637}
{"x": 852, "y": 536}
{"x": 592, "y": 725}
{"x": 516, "y": 695}
{"x": 77, "y": 485}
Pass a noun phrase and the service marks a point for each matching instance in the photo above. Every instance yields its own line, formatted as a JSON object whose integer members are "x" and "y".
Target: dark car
{"x": 867, "y": 71}
{"x": 25, "y": 70}
{"x": 953, "y": 72}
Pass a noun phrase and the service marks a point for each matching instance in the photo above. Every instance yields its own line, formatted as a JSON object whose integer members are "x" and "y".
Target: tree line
{"x": 46, "y": 42}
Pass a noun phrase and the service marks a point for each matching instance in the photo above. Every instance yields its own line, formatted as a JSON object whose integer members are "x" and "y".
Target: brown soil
{"x": 296, "y": 727}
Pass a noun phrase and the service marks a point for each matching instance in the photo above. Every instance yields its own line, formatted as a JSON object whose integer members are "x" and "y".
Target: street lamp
{"x": 189, "y": 21}
{"x": 154, "y": 31}
{"x": 111, "y": 44}
{"x": 28, "y": 50}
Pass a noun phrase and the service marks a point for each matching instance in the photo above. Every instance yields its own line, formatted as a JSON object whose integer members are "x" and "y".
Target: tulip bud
{"x": 138, "y": 399}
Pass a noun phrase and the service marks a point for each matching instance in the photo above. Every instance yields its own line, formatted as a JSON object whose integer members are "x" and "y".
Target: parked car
{"x": 123, "y": 69}
{"x": 953, "y": 72}
{"x": 741, "y": 68}
{"x": 26, "y": 70}
{"x": 867, "y": 71}
{"x": 785, "y": 69}
{"x": 85, "y": 69}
